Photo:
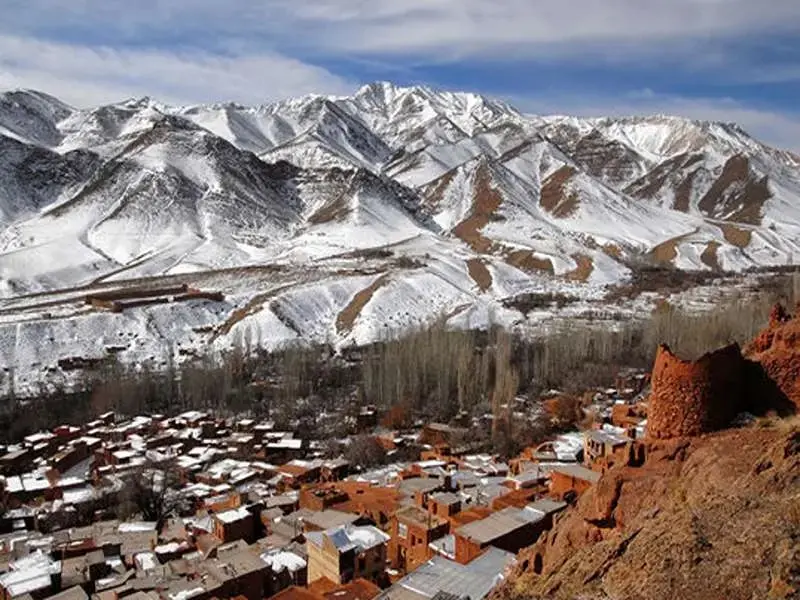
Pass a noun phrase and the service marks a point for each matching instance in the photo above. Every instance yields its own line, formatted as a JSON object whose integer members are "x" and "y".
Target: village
{"x": 196, "y": 507}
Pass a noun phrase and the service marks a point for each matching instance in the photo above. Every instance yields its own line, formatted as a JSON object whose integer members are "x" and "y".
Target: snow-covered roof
{"x": 137, "y": 526}
{"x": 233, "y": 515}
{"x": 278, "y": 560}
{"x": 29, "y": 574}
{"x": 146, "y": 561}
{"x": 351, "y": 537}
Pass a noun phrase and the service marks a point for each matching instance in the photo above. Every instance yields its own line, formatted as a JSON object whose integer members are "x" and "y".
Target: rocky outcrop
{"x": 709, "y": 514}
{"x": 695, "y": 397}
{"x": 777, "y": 351}
{"x": 713, "y": 516}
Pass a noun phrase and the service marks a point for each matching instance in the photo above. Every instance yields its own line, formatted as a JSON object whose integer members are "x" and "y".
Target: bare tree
{"x": 365, "y": 451}
{"x": 151, "y": 490}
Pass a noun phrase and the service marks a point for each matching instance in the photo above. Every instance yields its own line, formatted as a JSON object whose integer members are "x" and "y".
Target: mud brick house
{"x": 444, "y": 504}
{"x": 516, "y": 498}
{"x": 427, "y": 468}
{"x": 34, "y": 576}
{"x": 286, "y": 569}
{"x": 627, "y": 415}
{"x": 296, "y": 593}
{"x": 412, "y": 530}
{"x": 571, "y": 478}
{"x": 374, "y": 503}
{"x": 322, "y": 589}
{"x": 73, "y": 593}
{"x": 284, "y": 449}
{"x": 240, "y": 574}
{"x": 222, "y": 502}
{"x": 630, "y": 382}
{"x": 605, "y": 447}
{"x": 298, "y": 472}
{"x": 334, "y": 470}
{"x": 16, "y": 462}
{"x": 530, "y": 477}
{"x": 172, "y": 551}
{"x": 66, "y": 433}
{"x": 421, "y": 488}
{"x": 207, "y": 544}
{"x": 285, "y": 503}
{"x": 70, "y": 457}
{"x": 198, "y": 587}
{"x": 28, "y": 486}
{"x": 546, "y": 509}
{"x": 440, "y": 435}
{"x": 322, "y": 520}
{"x": 322, "y": 497}
{"x": 346, "y": 553}
{"x": 161, "y": 440}
{"x": 358, "y": 589}
{"x": 444, "y": 579}
{"x": 23, "y": 517}
{"x": 510, "y": 529}
{"x": 235, "y": 524}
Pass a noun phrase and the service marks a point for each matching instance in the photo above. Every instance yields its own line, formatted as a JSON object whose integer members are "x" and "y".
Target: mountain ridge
{"x": 417, "y": 185}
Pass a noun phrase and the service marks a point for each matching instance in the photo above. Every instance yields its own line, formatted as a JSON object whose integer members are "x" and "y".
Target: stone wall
{"x": 695, "y": 397}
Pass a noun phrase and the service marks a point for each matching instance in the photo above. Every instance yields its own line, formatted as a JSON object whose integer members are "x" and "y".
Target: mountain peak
{"x": 35, "y": 102}
{"x": 496, "y": 202}
{"x": 141, "y": 103}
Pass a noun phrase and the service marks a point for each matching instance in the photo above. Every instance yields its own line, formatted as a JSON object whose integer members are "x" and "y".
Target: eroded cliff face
{"x": 777, "y": 350}
{"x": 715, "y": 516}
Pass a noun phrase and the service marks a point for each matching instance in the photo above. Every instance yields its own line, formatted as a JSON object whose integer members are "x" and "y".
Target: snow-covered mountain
{"x": 339, "y": 219}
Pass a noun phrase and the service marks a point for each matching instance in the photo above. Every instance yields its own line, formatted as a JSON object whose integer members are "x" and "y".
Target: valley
{"x": 349, "y": 220}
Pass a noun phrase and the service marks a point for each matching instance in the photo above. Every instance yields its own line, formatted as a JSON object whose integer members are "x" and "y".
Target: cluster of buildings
{"x": 251, "y": 512}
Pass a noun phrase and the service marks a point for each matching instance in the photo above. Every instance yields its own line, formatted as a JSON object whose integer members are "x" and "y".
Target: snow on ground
{"x": 368, "y": 224}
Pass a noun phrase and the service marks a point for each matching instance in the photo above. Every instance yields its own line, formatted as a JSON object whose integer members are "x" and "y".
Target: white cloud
{"x": 87, "y": 76}
{"x": 427, "y": 28}
{"x": 187, "y": 51}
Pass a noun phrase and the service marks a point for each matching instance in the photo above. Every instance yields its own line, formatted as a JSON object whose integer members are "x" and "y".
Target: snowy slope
{"x": 349, "y": 218}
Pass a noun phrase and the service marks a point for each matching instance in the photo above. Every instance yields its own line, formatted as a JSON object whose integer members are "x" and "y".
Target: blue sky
{"x": 732, "y": 60}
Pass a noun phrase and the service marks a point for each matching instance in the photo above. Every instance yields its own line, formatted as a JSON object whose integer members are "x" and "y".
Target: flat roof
{"x": 448, "y": 498}
{"x": 233, "y": 515}
{"x": 578, "y": 472}
{"x": 547, "y": 506}
{"x": 606, "y": 437}
{"x": 419, "y": 516}
{"x": 420, "y": 484}
{"x": 474, "y": 580}
{"x": 494, "y": 526}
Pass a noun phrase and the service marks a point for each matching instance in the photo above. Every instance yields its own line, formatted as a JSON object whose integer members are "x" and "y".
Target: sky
{"x": 728, "y": 60}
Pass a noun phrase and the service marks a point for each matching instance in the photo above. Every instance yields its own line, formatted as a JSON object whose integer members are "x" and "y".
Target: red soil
{"x": 777, "y": 350}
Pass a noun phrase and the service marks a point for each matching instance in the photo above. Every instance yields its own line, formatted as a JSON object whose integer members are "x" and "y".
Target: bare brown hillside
{"x": 709, "y": 517}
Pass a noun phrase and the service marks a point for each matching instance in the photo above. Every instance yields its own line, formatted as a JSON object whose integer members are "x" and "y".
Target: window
{"x": 402, "y": 530}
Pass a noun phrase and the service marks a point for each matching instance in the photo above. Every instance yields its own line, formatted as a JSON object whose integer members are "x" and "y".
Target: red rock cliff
{"x": 695, "y": 397}
{"x": 777, "y": 350}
